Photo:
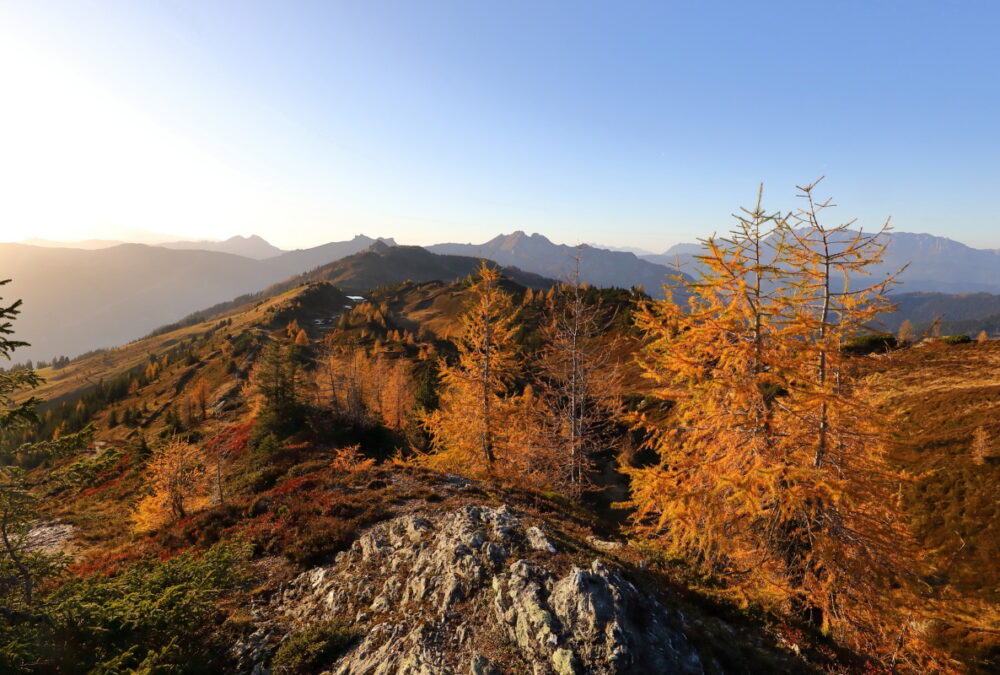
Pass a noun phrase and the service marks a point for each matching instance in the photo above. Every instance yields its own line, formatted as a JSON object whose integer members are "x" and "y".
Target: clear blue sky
{"x": 622, "y": 123}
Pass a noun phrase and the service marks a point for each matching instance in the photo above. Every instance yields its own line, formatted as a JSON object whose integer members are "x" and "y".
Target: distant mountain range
{"x": 936, "y": 264}
{"x": 598, "y": 267}
{"x": 249, "y": 247}
{"x": 104, "y": 293}
{"x": 76, "y": 300}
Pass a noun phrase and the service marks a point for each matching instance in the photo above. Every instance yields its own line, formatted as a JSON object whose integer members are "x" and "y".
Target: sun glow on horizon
{"x": 79, "y": 162}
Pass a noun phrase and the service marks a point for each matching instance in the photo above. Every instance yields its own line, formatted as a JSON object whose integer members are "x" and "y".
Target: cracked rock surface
{"x": 477, "y": 590}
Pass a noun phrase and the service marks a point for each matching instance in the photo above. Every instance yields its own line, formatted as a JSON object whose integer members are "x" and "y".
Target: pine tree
{"x": 279, "y": 381}
{"x": 21, "y": 565}
{"x": 469, "y": 431}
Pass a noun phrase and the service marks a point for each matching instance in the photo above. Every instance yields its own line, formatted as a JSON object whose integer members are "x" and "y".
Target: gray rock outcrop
{"x": 477, "y": 590}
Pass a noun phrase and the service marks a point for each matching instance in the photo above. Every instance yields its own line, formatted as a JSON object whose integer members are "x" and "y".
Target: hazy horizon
{"x": 137, "y": 236}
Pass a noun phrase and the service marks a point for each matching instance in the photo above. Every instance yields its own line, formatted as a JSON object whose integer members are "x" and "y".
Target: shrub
{"x": 956, "y": 339}
{"x": 86, "y": 471}
{"x": 257, "y": 480}
{"x": 131, "y": 620}
{"x": 206, "y": 528}
{"x": 314, "y": 647}
{"x": 321, "y": 540}
{"x": 265, "y": 443}
{"x": 870, "y": 343}
{"x": 350, "y": 460}
{"x": 307, "y": 468}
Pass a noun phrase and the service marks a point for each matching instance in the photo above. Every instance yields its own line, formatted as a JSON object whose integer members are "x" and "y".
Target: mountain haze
{"x": 76, "y": 300}
{"x": 249, "y": 247}
{"x": 86, "y": 244}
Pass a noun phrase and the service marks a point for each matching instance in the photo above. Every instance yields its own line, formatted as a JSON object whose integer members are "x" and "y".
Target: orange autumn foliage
{"x": 350, "y": 460}
{"x": 773, "y": 475}
{"x": 471, "y": 432}
{"x": 177, "y": 479}
{"x": 362, "y": 388}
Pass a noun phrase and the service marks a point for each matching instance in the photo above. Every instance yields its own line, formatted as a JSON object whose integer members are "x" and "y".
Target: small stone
{"x": 603, "y": 545}
{"x": 480, "y": 665}
{"x": 538, "y": 541}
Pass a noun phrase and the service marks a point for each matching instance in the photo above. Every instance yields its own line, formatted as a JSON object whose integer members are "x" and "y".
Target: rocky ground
{"x": 480, "y": 589}
{"x": 50, "y": 538}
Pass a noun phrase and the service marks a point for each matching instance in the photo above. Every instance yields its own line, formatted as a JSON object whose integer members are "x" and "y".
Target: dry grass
{"x": 942, "y": 395}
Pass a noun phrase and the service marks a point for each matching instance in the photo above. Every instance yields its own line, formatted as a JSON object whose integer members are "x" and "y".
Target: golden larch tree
{"x": 470, "y": 430}
{"x": 199, "y": 396}
{"x": 773, "y": 472}
{"x": 580, "y": 391}
{"x": 847, "y": 550}
{"x": 177, "y": 479}
{"x": 719, "y": 359}
{"x": 396, "y": 398}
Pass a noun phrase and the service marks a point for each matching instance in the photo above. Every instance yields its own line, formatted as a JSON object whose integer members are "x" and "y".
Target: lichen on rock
{"x": 478, "y": 590}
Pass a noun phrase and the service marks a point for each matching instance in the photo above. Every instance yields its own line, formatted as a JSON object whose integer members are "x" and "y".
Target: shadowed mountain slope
{"x": 78, "y": 300}
{"x": 382, "y": 265}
